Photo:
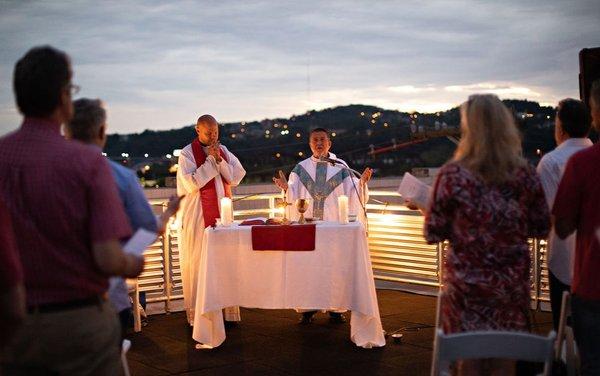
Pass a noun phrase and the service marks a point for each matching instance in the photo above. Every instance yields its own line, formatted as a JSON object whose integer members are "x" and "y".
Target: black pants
{"x": 556, "y": 292}
{"x": 586, "y": 319}
{"x": 126, "y": 319}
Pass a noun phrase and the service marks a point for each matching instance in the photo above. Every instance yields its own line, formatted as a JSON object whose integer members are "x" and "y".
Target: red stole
{"x": 208, "y": 193}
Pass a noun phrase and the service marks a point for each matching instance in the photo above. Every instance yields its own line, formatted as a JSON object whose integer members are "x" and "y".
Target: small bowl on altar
{"x": 352, "y": 217}
{"x": 309, "y": 219}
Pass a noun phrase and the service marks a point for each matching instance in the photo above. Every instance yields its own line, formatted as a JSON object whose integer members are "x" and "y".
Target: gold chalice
{"x": 302, "y": 206}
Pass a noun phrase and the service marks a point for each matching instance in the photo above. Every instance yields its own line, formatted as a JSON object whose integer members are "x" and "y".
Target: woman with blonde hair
{"x": 487, "y": 202}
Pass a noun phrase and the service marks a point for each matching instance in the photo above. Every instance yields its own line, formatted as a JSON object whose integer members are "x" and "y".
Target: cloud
{"x": 501, "y": 90}
{"x": 410, "y": 89}
{"x": 158, "y": 64}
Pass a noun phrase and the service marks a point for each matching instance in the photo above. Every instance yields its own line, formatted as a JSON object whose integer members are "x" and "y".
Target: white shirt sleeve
{"x": 292, "y": 194}
{"x": 191, "y": 178}
{"x": 231, "y": 171}
{"x": 549, "y": 173}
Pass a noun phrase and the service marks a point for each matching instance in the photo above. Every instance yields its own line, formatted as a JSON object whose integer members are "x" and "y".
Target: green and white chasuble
{"x": 323, "y": 184}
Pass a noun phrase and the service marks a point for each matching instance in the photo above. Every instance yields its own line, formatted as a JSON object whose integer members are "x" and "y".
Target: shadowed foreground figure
{"x": 67, "y": 220}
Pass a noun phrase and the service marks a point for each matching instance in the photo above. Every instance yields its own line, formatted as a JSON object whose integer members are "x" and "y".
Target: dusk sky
{"x": 160, "y": 66}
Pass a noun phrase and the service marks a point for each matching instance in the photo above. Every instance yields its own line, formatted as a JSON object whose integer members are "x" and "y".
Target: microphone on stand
{"x": 334, "y": 162}
{"x": 343, "y": 165}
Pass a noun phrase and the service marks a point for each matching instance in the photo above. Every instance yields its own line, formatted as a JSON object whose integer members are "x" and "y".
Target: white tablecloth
{"x": 336, "y": 275}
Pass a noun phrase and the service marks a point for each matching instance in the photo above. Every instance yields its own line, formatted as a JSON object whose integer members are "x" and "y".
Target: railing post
{"x": 536, "y": 274}
{"x": 167, "y": 265}
{"x": 440, "y": 262}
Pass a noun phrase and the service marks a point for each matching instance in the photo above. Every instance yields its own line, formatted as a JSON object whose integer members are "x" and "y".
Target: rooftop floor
{"x": 271, "y": 342}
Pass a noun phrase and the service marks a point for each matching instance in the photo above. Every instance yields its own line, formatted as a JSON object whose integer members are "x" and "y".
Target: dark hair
{"x": 574, "y": 117}
{"x": 595, "y": 92}
{"x": 38, "y": 79}
{"x": 88, "y": 117}
{"x": 319, "y": 130}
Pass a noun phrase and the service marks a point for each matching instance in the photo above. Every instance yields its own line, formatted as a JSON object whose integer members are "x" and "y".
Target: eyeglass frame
{"x": 73, "y": 89}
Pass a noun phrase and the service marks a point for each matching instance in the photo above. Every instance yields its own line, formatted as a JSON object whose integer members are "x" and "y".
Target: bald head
{"x": 206, "y": 119}
{"x": 207, "y": 129}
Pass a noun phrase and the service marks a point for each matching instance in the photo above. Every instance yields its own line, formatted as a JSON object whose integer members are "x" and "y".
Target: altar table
{"x": 336, "y": 275}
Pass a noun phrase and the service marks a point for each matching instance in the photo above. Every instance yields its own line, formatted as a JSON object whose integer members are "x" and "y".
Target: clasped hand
{"x": 215, "y": 151}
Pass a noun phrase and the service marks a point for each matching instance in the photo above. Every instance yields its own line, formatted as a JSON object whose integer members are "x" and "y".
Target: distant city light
{"x": 177, "y": 152}
{"x": 146, "y": 168}
{"x": 385, "y": 125}
{"x": 538, "y": 151}
{"x": 104, "y": 154}
{"x": 169, "y": 156}
{"x": 243, "y": 123}
{"x": 278, "y": 155}
{"x": 146, "y": 155}
{"x": 267, "y": 132}
{"x": 362, "y": 114}
{"x": 333, "y": 134}
{"x": 373, "y": 121}
{"x": 285, "y": 132}
{"x": 233, "y": 135}
{"x": 125, "y": 155}
{"x": 298, "y": 135}
{"x": 285, "y": 126}
{"x": 300, "y": 153}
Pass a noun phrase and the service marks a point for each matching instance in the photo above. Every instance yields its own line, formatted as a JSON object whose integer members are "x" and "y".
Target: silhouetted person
{"x": 67, "y": 220}
{"x": 577, "y": 208}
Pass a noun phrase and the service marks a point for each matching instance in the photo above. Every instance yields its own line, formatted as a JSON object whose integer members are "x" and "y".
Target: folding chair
{"x": 489, "y": 344}
{"x": 492, "y": 344}
{"x": 566, "y": 348}
{"x": 134, "y": 292}
{"x": 124, "y": 349}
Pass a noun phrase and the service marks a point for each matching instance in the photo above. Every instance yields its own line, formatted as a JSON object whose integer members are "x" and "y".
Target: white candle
{"x": 343, "y": 209}
{"x": 226, "y": 212}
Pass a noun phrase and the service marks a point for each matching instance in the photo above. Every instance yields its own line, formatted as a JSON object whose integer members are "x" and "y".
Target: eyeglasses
{"x": 73, "y": 89}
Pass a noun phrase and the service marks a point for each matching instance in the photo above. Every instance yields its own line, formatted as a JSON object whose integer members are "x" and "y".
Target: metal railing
{"x": 399, "y": 253}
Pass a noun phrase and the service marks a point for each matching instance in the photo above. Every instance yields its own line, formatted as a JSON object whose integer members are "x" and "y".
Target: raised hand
{"x": 281, "y": 181}
{"x": 366, "y": 176}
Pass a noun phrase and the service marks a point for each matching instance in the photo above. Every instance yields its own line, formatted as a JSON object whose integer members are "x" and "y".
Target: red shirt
{"x": 578, "y": 200}
{"x": 62, "y": 198}
{"x": 11, "y": 273}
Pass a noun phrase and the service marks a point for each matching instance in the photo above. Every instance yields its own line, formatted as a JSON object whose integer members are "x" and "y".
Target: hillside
{"x": 271, "y": 144}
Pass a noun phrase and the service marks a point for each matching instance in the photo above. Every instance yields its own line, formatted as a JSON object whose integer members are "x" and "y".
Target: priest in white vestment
{"x": 206, "y": 173}
{"x": 322, "y": 183}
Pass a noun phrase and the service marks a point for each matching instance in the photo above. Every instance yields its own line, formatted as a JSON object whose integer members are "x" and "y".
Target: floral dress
{"x": 486, "y": 272}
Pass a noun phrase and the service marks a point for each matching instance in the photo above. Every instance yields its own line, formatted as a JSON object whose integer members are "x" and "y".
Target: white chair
{"x": 489, "y": 344}
{"x": 134, "y": 292}
{"x": 566, "y": 348}
{"x": 125, "y": 346}
{"x": 492, "y": 344}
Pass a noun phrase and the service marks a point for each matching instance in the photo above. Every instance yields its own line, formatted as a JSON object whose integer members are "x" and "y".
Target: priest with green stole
{"x": 322, "y": 178}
